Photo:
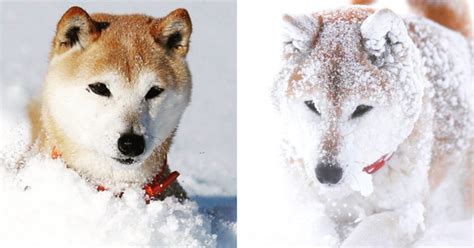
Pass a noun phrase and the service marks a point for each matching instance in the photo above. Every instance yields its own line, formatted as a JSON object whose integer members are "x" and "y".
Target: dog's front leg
{"x": 386, "y": 229}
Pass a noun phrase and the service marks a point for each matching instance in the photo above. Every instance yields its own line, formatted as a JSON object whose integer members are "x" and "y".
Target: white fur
{"x": 95, "y": 122}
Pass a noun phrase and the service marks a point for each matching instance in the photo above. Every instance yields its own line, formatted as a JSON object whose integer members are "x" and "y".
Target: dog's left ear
{"x": 173, "y": 32}
{"x": 76, "y": 28}
{"x": 301, "y": 32}
{"x": 385, "y": 36}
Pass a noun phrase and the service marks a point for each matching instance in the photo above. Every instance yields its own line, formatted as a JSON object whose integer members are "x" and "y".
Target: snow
{"x": 46, "y": 204}
{"x": 388, "y": 23}
{"x": 451, "y": 234}
{"x": 286, "y": 210}
{"x": 299, "y": 30}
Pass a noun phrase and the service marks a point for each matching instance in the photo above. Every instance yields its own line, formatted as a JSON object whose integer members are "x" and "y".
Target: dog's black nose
{"x": 328, "y": 173}
{"x": 131, "y": 144}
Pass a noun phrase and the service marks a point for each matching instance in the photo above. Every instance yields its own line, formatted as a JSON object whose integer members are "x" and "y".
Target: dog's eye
{"x": 361, "y": 110}
{"x": 153, "y": 92}
{"x": 100, "y": 89}
{"x": 310, "y": 105}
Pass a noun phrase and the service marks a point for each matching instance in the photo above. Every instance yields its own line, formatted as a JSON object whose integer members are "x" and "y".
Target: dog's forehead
{"x": 126, "y": 47}
{"x": 337, "y": 66}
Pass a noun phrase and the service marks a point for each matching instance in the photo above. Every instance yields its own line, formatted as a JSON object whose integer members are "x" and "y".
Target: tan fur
{"x": 443, "y": 12}
{"x": 456, "y": 18}
{"x": 34, "y": 112}
{"x": 125, "y": 43}
{"x": 126, "y": 53}
{"x": 363, "y": 1}
{"x": 333, "y": 56}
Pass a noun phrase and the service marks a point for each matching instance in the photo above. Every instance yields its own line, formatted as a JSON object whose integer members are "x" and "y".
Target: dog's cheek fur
{"x": 84, "y": 118}
{"x": 304, "y": 131}
{"x": 157, "y": 118}
{"x": 364, "y": 141}
{"x": 172, "y": 106}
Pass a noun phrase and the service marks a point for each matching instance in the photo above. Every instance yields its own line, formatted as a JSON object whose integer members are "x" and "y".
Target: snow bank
{"x": 450, "y": 234}
{"x": 46, "y": 203}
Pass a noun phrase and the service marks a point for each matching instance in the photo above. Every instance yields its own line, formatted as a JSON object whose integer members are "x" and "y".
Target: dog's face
{"x": 349, "y": 91}
{"x": 118, "y": 85}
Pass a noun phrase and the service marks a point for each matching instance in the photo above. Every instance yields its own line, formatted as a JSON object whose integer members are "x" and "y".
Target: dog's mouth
{"x": 125, "y": 161}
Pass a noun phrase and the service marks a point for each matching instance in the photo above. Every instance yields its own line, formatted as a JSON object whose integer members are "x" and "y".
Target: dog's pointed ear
{"x": 300, "y": 32}
{"x": 75, "y": 28}
{"x": 385, "y": 36}
{"x": 173, "y": 32}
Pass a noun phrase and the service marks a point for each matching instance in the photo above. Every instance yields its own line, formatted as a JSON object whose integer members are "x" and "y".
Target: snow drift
{"x": 46, "y": 203}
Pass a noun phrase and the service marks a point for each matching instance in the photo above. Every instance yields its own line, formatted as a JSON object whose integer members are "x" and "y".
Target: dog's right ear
{"x": 173, "y": 32}
{"x": 385, "y": 36}
{"x": 300, "y": 32}
{"x": 75, "y": 28}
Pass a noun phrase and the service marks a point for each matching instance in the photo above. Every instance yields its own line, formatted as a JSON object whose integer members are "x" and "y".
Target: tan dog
{"x": 115, "y": 90}
{"x": 378, "y": 115}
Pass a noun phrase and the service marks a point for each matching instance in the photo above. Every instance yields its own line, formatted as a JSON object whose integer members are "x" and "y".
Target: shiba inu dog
{"x": 115, "y": 90}
{"x": 378, "y": 116}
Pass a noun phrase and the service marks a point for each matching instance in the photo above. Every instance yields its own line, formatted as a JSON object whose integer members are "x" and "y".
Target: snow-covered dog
{"x": 115, "y": 90}
{"x": 378, "y": 116}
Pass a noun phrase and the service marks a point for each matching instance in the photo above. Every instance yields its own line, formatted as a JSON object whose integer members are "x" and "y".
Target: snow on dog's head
{"x": 349, "y": 91}
{"x": 116, "y": 85}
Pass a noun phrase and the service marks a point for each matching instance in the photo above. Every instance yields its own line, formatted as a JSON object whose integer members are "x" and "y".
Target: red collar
{"x": 374, "y": 167}
{"x": 152, "y": 190}
{"x": 157, "y": 186}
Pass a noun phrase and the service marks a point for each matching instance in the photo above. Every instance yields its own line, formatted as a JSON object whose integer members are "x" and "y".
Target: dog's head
{"x": 350, "y": 89}
{"x": 117, "y": 85}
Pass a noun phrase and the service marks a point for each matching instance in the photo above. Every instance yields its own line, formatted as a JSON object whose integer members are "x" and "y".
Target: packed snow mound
{"x": 45, "y": 203}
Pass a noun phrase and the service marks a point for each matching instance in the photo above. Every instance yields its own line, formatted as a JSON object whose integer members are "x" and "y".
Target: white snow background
{"x": 47, "y": 204}
{"x": 274, "y": 209}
